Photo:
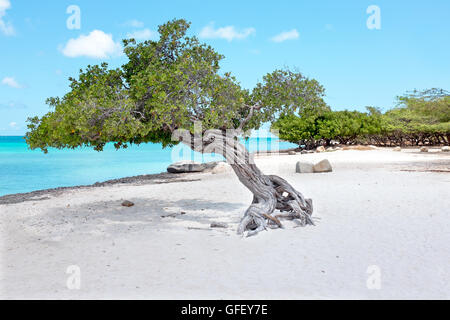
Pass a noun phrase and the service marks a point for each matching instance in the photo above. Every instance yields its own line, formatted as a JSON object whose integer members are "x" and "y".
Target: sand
{"x": 382, "y": 232}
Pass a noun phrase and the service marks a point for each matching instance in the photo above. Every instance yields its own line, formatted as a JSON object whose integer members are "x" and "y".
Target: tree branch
{"x": 249, "y": 116}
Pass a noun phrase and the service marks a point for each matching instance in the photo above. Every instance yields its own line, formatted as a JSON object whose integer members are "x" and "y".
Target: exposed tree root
{"x": 289, "y": 203}
{"x": 270, "y": 193}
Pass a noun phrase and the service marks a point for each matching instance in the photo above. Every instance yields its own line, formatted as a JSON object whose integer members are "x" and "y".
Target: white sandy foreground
{"x": 375, "y": 224}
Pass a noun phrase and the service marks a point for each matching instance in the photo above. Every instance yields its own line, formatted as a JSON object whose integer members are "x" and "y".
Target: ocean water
{"x": 24, "y": 170}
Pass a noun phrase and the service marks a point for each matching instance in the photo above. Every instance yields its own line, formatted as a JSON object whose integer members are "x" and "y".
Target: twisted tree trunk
{"x": 270, "y": 192}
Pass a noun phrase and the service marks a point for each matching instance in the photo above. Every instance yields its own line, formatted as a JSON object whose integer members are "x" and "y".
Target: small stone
{"x": 397, "y": 149}
{"x": 320, "y": 149}
{"x": 304, "y": 167}
{"x": 292, "y": 153}
{"x": 221, "y": 167}
{"x": 424, "y": 149}
{"x": 445, "y": 149}
{"x": 218, "y": 225}
{"x": 323, "y": 166}
{"x": 169, "y": 215}
{"x": 127, "y": 203}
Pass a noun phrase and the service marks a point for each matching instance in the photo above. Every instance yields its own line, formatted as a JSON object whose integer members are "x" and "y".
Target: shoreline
{"x": 153, "y": 178}
{"x": 166, "y": 177}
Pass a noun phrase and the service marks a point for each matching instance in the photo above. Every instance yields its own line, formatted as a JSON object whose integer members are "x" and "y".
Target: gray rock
{"x": 320, "y": 149}
{"x": 423, "y": 149}
{"x": 445, "y": 149}
{"x": 292, "y": 153}
{"x": 190, "y": 166}
{"x": 397, "y": 149}
{"x": 304, "y": 167}
{"x": 221, "y": 167}
{"x": 209, "y": 166}
{"x": 323, "y": 166}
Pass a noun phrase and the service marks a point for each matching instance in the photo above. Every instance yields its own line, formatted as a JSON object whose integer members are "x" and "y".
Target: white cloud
{"x": 229, "y": 33}
{"x": 286, "y": 35}
{"x": 96, "y": 44}
{"x": 13, "y": 124}
{"x": 11, "y": 82}
{"x": 5, "y": 27}
{"x": 134, "y": 23}
{"x": 144, "y": 34}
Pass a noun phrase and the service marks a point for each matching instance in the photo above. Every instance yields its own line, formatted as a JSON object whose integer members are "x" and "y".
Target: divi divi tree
{"x": 173, "y": 84}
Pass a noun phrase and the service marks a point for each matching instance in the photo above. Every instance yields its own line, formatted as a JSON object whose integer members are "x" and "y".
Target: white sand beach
{"x": 377, "y": 208}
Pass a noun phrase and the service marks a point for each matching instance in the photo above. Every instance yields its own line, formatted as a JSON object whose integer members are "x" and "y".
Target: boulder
{"x": 322, "y": 166}
{"x": 190, "y": 166}
{"x": 304, "y": 167}
{"x": 320, "y": 149}
{"x": 445, "y": 149}
{"x": 185, "y": 166}
{"x": 330, "y": 149}
{"x": 423, "y": 149}
{"x": 209, "y": 166}
{"x": 397, "y": 149}
{"x": 221, "y": 167}
{"x": 292, "y": 153}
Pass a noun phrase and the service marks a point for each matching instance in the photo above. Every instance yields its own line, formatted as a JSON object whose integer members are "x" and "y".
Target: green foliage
{"x": 421, "y": 113}
{"x": 166, "y": 85}
{"x": 288, "y": 92}
{"x": 421, "y": 117}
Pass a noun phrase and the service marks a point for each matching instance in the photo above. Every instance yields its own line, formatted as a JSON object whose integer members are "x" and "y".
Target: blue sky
{"x": 325, "y": 40}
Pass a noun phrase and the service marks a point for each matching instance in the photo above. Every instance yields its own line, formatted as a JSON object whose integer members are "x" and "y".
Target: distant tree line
{"x": 419, "y": 118}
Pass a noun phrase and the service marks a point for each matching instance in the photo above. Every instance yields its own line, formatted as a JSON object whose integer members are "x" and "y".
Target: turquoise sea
{"x": 24, "y": 170}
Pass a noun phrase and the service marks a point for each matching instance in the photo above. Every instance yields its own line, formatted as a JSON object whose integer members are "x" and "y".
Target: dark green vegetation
{"x": 420, "y": 118}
